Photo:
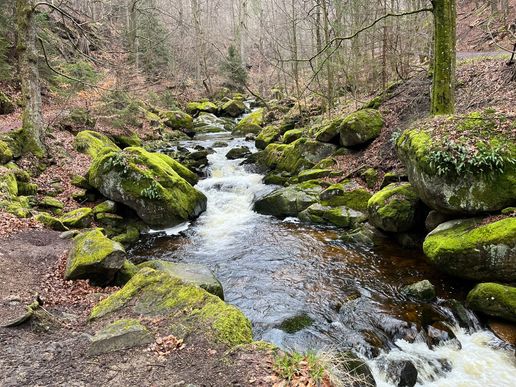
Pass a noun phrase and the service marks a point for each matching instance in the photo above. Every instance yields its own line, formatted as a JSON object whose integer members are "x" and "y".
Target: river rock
{"x": 347, "y": 193}
{"x": 434, "y": 219}
{"x": 472, "y": 249}
{"x": 293, "y": 158}
{"x": 494, "y": 300}
{"x": 364, "y": 234}
{"x": 233, "y": 108}
{"x": 472, "y": 190}
{"x": 250, "y": 124}
{"x": 194, "y": 108}
{"x": 268, "y": 135}
{"x": 360, "y": 127}
{"x": 402, "y": 373}
{"x": 93, "y": 143}
{"x": 313, "y": 174}
{"x": 341, "y": 216}
{"x": 95, "y": 257}
{"x": 120, "y": 334}
{"x": 79, "y": 218}
{"x": 289, "y": 201}
{"x": 238, "y": 153}
{"x": 422, "y": 290}
{"x": 190, "y": 273}
{"x": 210, "y": 123}
{"x": 178, "y": 120}
{"x": 156, "y": 294}
{"x": 395, "y": 208}
{"x": 152, "y": 184}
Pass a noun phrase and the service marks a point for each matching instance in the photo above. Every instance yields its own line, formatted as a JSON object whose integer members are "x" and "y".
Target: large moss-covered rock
{"x": 267, "y": 136}
{"x": 8, "y": 184}
{"x": 194, "y": 108}
{"x": 210, "y": 123}
{"x": 289, "y": 201}
{"x": 120, "y": 334}
{"x": 177, "y": 120}
{"x": 251, "y": 123}
{"x": 6, "y": 154}
{"x": 337, "y": 216}
{"x": 155, "y": 293}
{"x": 330, "y": 132}
{"x": 360, "y": 127}
{"x": 313, "y": 174}
{"x": 395, "y": 208}
{"x": 95, "y": 257}
{"x": 6, "y": 105}
{"x": 79, "y": 218}
{"x": 190, "y": 273}
{"x": 348, "y": 193}
{"x": 461, "y": 165}
{"x": 293, "y": 158}
{"x": 494, "y": 300}
{"x": 470, "y": 248}
{"x": 50, "y": 221}
{"x": 292, "y": 135}
{"x": 147, "y": 183}
{"x": 93, "y": 143}
{"x": 233, "y": 108}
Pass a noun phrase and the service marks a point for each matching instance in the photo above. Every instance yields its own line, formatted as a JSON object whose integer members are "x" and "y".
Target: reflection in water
{"x": 274, "y": 270}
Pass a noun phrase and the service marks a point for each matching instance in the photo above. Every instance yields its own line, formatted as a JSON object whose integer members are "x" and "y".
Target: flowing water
{"x": 274, "y": 270}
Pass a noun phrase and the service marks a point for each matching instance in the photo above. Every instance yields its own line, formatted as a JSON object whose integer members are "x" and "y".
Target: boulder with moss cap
{"x": 194, "y": 108}
{"x": 94, "y": 257}
{"x": 155, "y": 293}
{"x": 233, "y": 108}
{"x": 461, "y": 164}
{"x": 152, "y": 184}
{"x": 474, "y": 249}
{"x": 251, "y": 123}
{"x": 395, "y": 208}
{"x": 494, "y": 300}
{"x": 93, "y": 143}
{"x": 360, "y": 127}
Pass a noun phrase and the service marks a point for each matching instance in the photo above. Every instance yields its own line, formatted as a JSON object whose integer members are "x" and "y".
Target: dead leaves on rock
{"x": 164, "y": 346}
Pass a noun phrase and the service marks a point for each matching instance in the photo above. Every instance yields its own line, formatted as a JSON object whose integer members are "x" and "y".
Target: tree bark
{"x": 33, "y": 130}
{"x": 443, "y": 85}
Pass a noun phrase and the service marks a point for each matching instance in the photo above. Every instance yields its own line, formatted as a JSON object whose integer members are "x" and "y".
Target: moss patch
{"x": 494, "y": 299}
{"x": 93, "y": 143}
{"x": 296, "y": 323}
{"x": 251, "y": 123}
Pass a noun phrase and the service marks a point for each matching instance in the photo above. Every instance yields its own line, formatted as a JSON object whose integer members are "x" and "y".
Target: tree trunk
{"x": 33, "y": 130}
{"x": 443, "y": 85}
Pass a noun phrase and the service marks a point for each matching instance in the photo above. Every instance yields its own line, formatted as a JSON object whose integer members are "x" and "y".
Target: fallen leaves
{"x": 164, "y": 346}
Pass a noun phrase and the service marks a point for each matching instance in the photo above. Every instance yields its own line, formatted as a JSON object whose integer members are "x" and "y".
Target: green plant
{"x": 124, "y": 109}
{"x": 233, "y": 68}
{"x": 290, "y": 366}
{"x": 82, "y": 72}
{"x": 151, "y": 192}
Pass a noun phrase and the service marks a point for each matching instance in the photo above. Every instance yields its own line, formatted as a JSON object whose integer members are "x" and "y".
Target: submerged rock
{"x": 296, "y": 323}
{"x": 471, "y": 249}
{"x": 120, "y": 334}
{"x": 209, "y": 123}
{"x": 95, "y": 257}
{"x": 289, "y": 201}
{"x": 395, "y": 208}
{"x": 152, "y": 184}
{"x": 155, "y": 293}
{"x": 190, "y": 273}
{"x": 494, "y": 300}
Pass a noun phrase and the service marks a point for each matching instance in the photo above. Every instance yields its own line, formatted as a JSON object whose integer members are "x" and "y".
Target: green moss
{"x": 251, "y": 123}
{"x": 267, "y": 136}
{"x": 20, "y": 174}
{"x": 127, "y": 272}
{"x": 312, "y": 174}
{"x": 8, "y": 184}
{"x": 50, "y": 202}
{"x": 177, "y": 119}
{"x": 18, "y": 206}
{"x": 6, "y": 105}
{"x": 360, "y": 127}
{"x": 27, "y": 188}
{"x": 370, "y": 176}
{"x": 468, "y": 236}
{"x": 6, "y": 154}
{"x": 79, "y": 218}
{"x": 347, "y": 194}
{"x": 80, "y": 182}
{"x": 330, "y": 131}
{"x": 292, "y": 135}
{"x": 198, "y": 107}
{"x": 233, "y": 108}
{"x": 94, "y": 255}
{"x": 340, "y": 216}
{"x": 130, "y": 236}
{"x": 494, "y": 300}
{"x": 127, "y": 140}
{"x": 296, "y": 323}
{"x": 105, "y": 206}
{"x": 50, "y": 221}
{"x": 93, "y": 143}
{"x": 157, "y": 293}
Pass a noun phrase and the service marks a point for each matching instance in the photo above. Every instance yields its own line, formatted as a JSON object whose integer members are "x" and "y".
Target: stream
{"x": 275, "y": 269}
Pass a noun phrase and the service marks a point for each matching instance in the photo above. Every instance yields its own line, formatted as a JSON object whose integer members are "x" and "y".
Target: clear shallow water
{"x": 274, "y": 270}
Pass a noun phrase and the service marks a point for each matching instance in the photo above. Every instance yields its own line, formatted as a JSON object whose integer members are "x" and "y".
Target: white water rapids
{"x": 272, "y": 270}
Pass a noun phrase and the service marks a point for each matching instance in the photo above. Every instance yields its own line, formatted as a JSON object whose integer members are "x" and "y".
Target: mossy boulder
{"x": 118, "y": 335}
{"x": 127, "y": 139}
{"x": 293, "y": 158}
{"x": 6, "y": 105}
{"x": 337, "y": 216}
{"x": 28, "y": 189}
{"x": 329, "y": 132}
{"x": 238, "y": 153}
{"x": 94, "y": 257}
{"x": 93, "y": 143}
{"x": 50, "y": 221}
{"x": 80, "y": 182}
{"x": 292, "y": 135}
{"x": 50, "y": 202}
{"x": 251, "y": 123}
{"x": 105, "y": 206}
{"x": 177, "y": 120}
{"x": 130, "y": 235}
{"x": 210, "y": 123}
{"x": 422, "y": 291}
{"x": 20, "y": 174}
{"x": 150, "y": 184}
{"x": 189, "y": 273}
{"x": 347, "y": 193}
{"x": 8, "y": 184}
{"x": 313, "y": 174}
{"x": 461, "y": 165}
{"x": 360, "y": 127}
{"x": 79, "y": 218}
{"x": 494, "y": 300}
{"x": 6, "y": 153}
{"x": 474, "y": 249}
{"x": 194, "y": 108}
{"x": 395, "y": 208}
{"x": 155, "y": 293}
{"x": 267, "y": 136}
{"x": 233, "y": 108}
{"x": 289, "y": 201}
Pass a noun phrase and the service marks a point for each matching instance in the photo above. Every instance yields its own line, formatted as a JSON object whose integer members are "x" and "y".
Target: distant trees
{"x": 234, "y": 69}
